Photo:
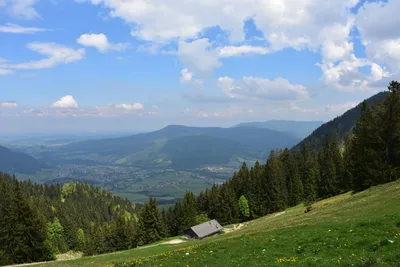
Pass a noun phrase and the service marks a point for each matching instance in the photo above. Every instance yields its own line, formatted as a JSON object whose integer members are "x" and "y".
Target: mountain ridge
{"x": 299, "y": 129}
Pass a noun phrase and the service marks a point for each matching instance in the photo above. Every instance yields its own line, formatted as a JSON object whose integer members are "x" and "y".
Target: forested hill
{"x": 186, "y": 147}
{"x": 39, "y": 221}
{"x": 299, "y": 129}
{"x": 342, "y": 124}
{"x": 15, "y": 162}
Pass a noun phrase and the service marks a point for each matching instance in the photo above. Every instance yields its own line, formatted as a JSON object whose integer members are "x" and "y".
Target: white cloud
{"x": 186, "y": 76}
{"x": 8, "y": 105}
{"x": 56, "y": 55}
{"x": 21, "y": 9}
{"x": 347, "y": 75}
{"x": 67, "y": 102}
{"x": 230, "y": 51}
{"x": 135, "y": 106}
{"x": 155, "y": 107}
{"x": 14, "y": 28}
{"x": 378, "y": 23}
{"x": 285, "y": 23}
{"x": 5, "y": 71}
{"x": 318, "y": 26}
{"x": 35, "y": 112}
{"x": 340, "y": 108}
{"x": 198, "y": 55}
{"x": 100, "y": 42}
{"x": 260, "y": 88}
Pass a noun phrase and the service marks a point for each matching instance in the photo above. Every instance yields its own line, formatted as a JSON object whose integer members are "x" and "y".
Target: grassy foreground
{"x": 347, "y": 230}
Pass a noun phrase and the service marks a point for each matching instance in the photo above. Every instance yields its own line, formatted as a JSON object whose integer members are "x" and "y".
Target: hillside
{"x": 15, "y": 162}
{"x": 299, "y": 129}
{"x": 343, "y": 124}
{"x": 360, "y": 230}
{"x": 178, "y": 147}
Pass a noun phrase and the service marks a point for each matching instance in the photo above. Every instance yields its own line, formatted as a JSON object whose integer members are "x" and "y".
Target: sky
{"x": 139, "y": 65}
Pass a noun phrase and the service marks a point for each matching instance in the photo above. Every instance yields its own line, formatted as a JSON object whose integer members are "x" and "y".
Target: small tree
{"x": 80, "y": 240}
{"x": 202, "y": 218}
{"x": 244, "y": 209}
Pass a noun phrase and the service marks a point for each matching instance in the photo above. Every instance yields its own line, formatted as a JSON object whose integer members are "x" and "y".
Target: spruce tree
{"x": 190, "y": 209}
{"x": 367, "y": 152}
{"x": 275, "y": 184}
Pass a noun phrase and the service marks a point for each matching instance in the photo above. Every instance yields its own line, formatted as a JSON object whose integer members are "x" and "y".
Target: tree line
{"x": 40, "y": 221}
{"x": 368, "y": 155}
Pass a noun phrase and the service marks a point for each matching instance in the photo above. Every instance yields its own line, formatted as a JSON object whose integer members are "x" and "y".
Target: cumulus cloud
{"x": 186, "y": 76}
{"x": 259, "y": 88}
{"x": 9, "y": 104}
{"x": 286, "y": 23}
{"x": 66, "y": 102}
{"x": 378, "y": 23}
{"x": 346, "y": 75}
{"x": 21, "y": 9}
{"x": 56, "y": 55}
{"x": 231, "y": 51}
{"x": 100, "y": 42}
{"x": 198, "y": 55}
{"x": 340, "y": 108}
{"x": 135, "y": 106}
{"x": 318, "y": 26}
{"x": 14, "y": 28}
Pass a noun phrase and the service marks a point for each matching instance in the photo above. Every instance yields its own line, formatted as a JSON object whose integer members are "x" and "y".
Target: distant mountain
{"x": 15, "y": 162}
{"x": 299, "y": 129}
{"x": 183, "y": 147}
{"x": 343, "y": 124}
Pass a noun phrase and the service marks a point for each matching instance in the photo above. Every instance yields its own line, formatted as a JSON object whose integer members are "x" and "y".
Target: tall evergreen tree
{"x": 366, "y": 164}
{"x": 190, "y": 209}
{"x": 275, "y": 185}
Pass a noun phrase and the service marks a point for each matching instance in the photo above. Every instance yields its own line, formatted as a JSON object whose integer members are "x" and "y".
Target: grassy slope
{"x": 348, "y": 230}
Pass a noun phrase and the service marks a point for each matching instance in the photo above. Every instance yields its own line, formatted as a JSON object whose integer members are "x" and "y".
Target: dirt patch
{"x": 279, "y": 214}
{"x": 174, "y": 241}
{"x": 70, "y": 255}
{"x": 234, "y": 228}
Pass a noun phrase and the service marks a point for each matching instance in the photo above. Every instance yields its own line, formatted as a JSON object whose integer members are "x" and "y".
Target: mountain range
{"x": 299, "y": 129}
{"x": 185, "y": 147}
{"x": 15, "y": 162}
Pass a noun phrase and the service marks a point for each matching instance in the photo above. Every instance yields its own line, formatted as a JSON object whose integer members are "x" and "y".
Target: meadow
{"x": 347, "y": 230}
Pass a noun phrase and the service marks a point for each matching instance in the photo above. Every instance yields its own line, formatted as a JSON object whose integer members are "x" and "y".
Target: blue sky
{"x": 114, "y": 65}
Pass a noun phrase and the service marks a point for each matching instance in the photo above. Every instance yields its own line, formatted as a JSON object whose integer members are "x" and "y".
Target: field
{"x": 347, "y": 230}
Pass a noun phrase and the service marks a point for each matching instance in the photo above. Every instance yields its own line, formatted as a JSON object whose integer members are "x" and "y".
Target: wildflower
{"x": 353, "y": 254}
{"x": 391, "y": 241}
{"x": 187, "y": 253}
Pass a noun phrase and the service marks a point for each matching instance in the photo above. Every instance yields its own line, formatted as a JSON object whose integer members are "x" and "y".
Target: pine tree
{"x": 150, "y": 224}
{"x": 275, "y": 185}
{"x": 367, "y": 151}
{"x": 328, "y": 184}
{"x": 390, "y": 116}
{"x": 190, "y": 209}
{"x": 293, "y": 178}
{"x": 309, "y": 174}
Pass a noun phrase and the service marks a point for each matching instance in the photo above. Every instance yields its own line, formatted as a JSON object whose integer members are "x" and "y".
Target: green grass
{"x": 347, "y": 230}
